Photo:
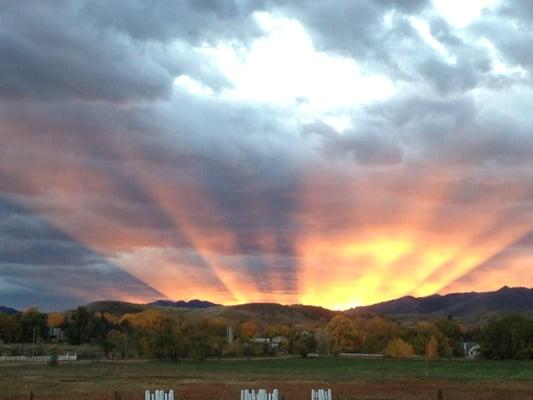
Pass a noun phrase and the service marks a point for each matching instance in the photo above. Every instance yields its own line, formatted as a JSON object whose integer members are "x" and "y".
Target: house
{"x": 273, "y": 344}
{"x": 471, "y": 350}
{"x": 261, "y": 340}
{"x": 277, "y": 341}
{"x": 56, "y": 334}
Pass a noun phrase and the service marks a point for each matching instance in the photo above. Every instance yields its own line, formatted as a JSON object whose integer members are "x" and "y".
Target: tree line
{"x": 161, "y": 334}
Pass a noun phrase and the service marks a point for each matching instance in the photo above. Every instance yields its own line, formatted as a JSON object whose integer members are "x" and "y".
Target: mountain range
{"x": 506, "y": 299}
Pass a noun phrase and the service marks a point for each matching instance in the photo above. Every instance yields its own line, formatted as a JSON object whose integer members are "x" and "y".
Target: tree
{"x": 432, "y": 349}
{"x": 340, "y": 334}
{"x": 454, "y": 333}
{"x": 34, "y": 325}
{"x": 115, "y": 344}
{"x": 397, "y": 348}
{"x": 56, "y": 320}
{"x": 248, "y": 329}
{"x": 304, "y": 344}
{"x": 10, "y": 328}
{"x": 372, "y": 345}
{"x": 200, "y": 345}
{"x": 84, "y": 326}
{"x": 508, "y": 337}
{"x": 165, "y": 342}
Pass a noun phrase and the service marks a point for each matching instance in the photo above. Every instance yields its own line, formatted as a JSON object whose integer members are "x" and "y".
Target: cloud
{"x": 261, "y": 151}
{"x": 41, "y": 265}
{"x": 364, "y": 149}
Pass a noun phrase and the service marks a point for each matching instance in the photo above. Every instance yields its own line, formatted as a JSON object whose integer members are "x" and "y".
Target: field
{"x": 214, "y": 380}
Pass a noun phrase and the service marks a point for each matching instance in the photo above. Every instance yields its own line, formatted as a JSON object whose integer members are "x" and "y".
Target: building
{"x": 56, "y": 334}
{"x": 471, "y": 350}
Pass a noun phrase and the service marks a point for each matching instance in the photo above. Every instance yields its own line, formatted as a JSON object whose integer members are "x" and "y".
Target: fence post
{"x": 31, "y": 395}
{"x": 440, "y": 394}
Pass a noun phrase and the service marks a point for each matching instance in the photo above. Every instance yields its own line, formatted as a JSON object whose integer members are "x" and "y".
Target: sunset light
{"x": 265, "y": 152}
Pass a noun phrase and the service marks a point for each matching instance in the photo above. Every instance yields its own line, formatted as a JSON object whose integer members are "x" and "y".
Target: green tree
{"x": 10, "y": 328}
{"x": 84, "y": 326}
{"x": 507, "y": 338}
{"x": 33, "y": 323}
{"x": 304, "y": 344}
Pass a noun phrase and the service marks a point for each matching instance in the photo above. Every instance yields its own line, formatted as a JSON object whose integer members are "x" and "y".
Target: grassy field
{"x": 221, "y": 380}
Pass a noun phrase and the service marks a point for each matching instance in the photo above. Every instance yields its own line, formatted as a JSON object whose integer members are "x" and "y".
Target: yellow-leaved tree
{"x": 397, "y": 348}
{"x": 432, "y": 348}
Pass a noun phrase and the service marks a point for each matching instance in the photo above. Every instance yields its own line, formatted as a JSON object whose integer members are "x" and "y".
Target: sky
{"x": 328, "y": 153}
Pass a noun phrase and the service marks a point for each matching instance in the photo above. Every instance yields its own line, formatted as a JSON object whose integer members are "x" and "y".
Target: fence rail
{"x": 61, "y": 357}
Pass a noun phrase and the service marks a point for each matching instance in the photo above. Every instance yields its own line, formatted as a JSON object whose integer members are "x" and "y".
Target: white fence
{"x": 321, "y": 394}
{"x": 61, "y": 357}
{"x": 159, "y": 395}
{"x": 261, "y": 394}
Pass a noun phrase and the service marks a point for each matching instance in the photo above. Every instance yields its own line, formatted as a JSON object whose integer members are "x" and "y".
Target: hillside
{"x": 277, "y": 313}
{"x": 116, "y": 308}
{"x": 263, "y": 313}
{"x": 458, "y": 304}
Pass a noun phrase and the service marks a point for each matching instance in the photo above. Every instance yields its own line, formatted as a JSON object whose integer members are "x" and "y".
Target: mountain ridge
{"x": 505, "y": 299}
{"x": 195, "y": 303}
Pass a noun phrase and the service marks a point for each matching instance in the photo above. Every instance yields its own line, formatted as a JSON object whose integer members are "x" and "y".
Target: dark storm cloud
{"x": 191, "y": 20}
{"x": 41, "y": 263}
{"x": 54, "y": 52}
{"x": 125, "y": 51}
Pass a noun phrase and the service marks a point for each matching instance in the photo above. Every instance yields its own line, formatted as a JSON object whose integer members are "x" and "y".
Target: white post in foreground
{"x": 159, "y": 394}
{"x": 260, "y": 394}
{"x": 321, "y": 394}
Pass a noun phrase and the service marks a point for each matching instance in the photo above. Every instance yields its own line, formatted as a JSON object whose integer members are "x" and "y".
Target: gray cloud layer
{"x": 96, "y": 136}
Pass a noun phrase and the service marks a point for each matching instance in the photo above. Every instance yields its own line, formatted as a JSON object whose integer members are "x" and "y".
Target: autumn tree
{"x": 397, "y": 348}
{"x": 432, "y": 348}
{"x": 56, "y": 320}
{"x": 248, "y": 329}
{"x": 339, "y": 333}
